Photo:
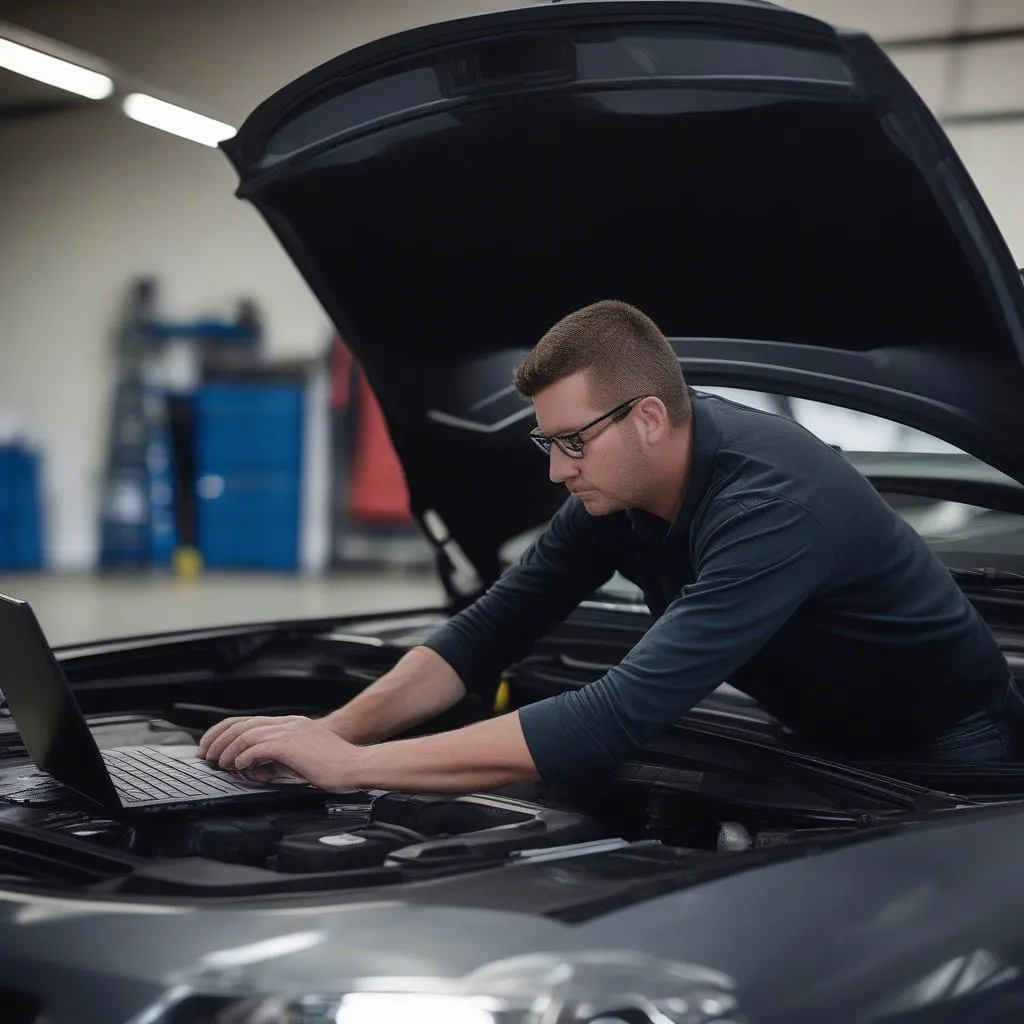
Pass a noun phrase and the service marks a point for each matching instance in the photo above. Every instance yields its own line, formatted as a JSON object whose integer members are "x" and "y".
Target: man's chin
{"x": 596, "y": 504}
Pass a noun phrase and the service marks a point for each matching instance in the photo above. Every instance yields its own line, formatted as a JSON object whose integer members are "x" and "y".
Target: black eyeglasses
{"x": 572, "y": 444}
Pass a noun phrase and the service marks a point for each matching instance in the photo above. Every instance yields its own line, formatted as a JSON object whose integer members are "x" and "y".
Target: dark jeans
{"x": 995, "y": 734}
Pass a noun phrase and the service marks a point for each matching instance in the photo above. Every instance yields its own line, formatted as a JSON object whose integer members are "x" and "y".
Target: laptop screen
{"x": 43, "y": 707}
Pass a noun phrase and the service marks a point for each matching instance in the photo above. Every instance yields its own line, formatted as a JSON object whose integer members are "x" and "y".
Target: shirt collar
{"x": 707, "y": 436}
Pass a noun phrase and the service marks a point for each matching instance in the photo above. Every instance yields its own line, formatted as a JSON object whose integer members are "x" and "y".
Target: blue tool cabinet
{"x": 249, "y": 439}
{"x": 20, "y": 509}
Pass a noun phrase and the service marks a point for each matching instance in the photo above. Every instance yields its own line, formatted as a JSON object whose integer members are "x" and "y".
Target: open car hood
{"x": 770, "y": 189}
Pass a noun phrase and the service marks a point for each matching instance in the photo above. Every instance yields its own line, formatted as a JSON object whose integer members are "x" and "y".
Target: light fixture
{"x": 177, "y": 120}
{"x": 53, "y": 71}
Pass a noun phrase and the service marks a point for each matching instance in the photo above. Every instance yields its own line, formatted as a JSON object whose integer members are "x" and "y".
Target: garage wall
{"x": 87, "y": 200}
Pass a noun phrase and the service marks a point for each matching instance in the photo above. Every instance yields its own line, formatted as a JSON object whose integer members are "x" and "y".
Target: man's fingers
{"x": 227, "y": 736}
{"x": 269, "y": 749}
{"x": 282, "y": 751}
{"x": 271, "y": 729}
{"x": 214, "y": 731}
{"x": 244, "y": 740}
{"x": 238, "y": 728}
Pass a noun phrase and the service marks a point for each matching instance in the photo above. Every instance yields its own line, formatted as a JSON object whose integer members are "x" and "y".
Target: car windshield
{"x": 963, "y": 536}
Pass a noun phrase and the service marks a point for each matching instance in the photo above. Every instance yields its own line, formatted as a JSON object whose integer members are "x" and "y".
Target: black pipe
{"x": 993, "y": 35}
{"x": 984, "y": 117}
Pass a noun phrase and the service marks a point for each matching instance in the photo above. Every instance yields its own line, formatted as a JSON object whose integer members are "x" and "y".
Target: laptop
{"x": 55, "y": 733}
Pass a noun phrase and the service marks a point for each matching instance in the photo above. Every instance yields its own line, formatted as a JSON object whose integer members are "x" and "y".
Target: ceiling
{"x": 25, "y": 97}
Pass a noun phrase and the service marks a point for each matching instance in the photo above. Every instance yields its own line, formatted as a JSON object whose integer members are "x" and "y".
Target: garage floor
{"x": 90, "y": 607}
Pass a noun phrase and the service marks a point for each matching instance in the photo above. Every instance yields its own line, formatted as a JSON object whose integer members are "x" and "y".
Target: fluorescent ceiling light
{"x": 53, "y": 71}
{"x": 176, "y": 120}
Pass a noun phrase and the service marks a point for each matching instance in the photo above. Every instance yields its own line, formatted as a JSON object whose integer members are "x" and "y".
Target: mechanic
{"x": 765, "y": 558}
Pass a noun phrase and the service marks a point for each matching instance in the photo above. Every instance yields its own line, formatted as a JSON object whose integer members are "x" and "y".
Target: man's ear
{"x": 653, "y": 418}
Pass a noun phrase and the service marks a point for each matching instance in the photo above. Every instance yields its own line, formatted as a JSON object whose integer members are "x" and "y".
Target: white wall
{"x": 88, "y": 200}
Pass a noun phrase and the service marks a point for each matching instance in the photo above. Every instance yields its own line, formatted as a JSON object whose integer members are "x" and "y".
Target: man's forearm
{"x": 421, "y": 686}
{"x": 484, "y": 755}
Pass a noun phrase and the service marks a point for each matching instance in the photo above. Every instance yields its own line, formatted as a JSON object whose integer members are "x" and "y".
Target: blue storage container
{"x": 249, "y": 520}
{"x": 249, "y": 426}
{"x": 20, "y": 509}
{"x": 249, "y": 471}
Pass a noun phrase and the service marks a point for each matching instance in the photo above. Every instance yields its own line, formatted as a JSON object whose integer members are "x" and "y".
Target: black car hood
{"x": 770, "y": 189}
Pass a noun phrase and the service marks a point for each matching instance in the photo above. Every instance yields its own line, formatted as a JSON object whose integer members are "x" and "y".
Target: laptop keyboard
{"x": 149, "y": 774}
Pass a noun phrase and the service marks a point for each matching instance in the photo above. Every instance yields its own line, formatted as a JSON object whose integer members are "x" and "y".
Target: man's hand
{"x": 219, "y": 737}
{"x": 482, "y": 756}
{"x": 305, "y": 746}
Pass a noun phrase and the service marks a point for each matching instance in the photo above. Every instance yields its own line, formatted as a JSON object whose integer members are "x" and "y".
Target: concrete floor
{"x": 90, "y": 607}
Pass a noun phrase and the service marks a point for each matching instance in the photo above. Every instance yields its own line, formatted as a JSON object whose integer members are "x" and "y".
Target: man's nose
{"x": 561, "y": 467}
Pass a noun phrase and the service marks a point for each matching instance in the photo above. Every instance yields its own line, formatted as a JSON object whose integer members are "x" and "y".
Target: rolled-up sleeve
{"x": 755, "y": 566}
{"x": 570, "y": 559}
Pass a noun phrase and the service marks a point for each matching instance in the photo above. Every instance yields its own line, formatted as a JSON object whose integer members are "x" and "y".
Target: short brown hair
{"x": 623, "y": 351}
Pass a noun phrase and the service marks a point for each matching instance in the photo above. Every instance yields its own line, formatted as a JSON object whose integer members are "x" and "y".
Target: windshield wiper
{"x": 986, "y": 576}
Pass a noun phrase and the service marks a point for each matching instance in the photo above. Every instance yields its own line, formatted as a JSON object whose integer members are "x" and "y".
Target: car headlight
{"x": 543, "y": 988}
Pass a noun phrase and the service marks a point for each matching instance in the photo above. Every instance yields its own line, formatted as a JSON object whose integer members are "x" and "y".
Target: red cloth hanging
{"x": 378, "y": 492}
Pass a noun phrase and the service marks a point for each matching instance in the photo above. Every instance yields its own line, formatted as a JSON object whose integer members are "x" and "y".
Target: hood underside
{"x": 770, "y": 191}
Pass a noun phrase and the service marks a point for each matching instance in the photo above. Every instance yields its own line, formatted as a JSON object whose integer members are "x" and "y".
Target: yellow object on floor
{"x": 187, "y": 562}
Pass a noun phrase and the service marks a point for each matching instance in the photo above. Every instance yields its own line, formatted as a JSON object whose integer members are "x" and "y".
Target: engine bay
{"x": 321, "y": 833}
{"x": 310, "y": 840}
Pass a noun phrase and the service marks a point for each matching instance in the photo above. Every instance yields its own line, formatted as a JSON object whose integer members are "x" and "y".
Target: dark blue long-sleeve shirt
{"x": 785, "y": 573}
